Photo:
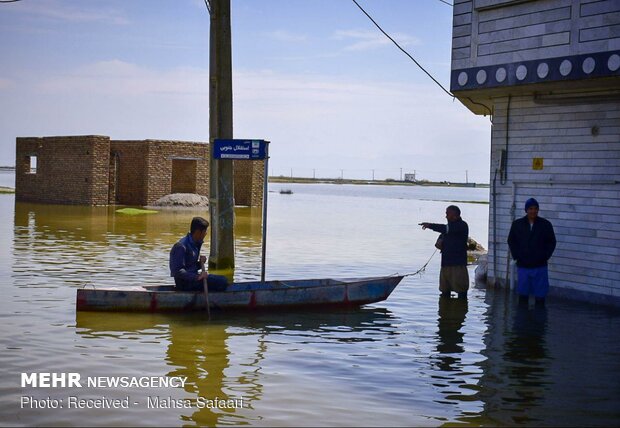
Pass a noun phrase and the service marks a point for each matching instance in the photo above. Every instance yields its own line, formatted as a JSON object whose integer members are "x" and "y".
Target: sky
{"x": 315, "y": 77}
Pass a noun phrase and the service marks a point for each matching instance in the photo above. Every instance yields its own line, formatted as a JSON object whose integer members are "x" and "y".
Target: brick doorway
{"x": 183, "y": 176}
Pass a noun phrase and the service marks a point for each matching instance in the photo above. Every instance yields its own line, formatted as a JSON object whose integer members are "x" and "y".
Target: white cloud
{"x": 366, "y": 40}
{"x": 119, "y": 77}
{"x": 313, "y": 121}
{"x": 60, "y": 11}
{"x": 287, "y": 36}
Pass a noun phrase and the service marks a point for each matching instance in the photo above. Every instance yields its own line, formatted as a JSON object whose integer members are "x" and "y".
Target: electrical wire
{"x": 483, "y": 105}
{"x": 403, "y": 50}
{"x": 445, "y": 2}
{"x": 208, "y": 4}
{"x": 9, "y": 1}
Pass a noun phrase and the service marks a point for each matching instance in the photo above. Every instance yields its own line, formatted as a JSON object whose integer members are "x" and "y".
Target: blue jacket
{"x": 454, "y": 246}
{"x": 184, "y": 264}
{"x": 531, "y": 247}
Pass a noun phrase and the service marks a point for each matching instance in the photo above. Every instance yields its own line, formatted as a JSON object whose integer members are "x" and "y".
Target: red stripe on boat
{"x": 253, "y": 300}
{"x": 80, "y": 302}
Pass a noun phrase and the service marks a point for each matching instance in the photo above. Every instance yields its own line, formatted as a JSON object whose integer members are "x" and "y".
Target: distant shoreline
{"x": 388, "y": 182}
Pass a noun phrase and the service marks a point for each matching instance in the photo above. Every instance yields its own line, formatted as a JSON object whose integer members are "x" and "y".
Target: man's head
{"x": 453, "y": 213}
{"x": 198, "y": 229}
{"x": 531, "y": 208}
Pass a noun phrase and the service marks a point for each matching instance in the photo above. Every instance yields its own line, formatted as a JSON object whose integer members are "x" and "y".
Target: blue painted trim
{"x": 554, "y": 75}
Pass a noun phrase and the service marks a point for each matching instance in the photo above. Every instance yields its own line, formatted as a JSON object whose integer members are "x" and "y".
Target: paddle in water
{"x": 204, "y": 283}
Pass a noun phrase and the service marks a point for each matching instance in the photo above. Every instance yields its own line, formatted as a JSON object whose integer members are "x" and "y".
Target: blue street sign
{"x": 240, "y": 149}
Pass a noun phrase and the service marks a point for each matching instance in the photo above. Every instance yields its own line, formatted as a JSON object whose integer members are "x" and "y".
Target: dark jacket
{"x": 533, "y": 247}
{"x": 184, "y": 262}
{"x": 454, "y": 246}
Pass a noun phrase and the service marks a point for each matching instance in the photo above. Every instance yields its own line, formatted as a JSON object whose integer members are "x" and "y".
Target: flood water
{"x": 411, "y": 360}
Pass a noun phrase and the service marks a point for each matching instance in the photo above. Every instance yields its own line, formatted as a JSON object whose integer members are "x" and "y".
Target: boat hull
{"x": 240, "y": 296}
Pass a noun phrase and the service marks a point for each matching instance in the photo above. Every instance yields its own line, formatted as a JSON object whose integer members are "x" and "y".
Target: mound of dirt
{"x": 182, "y": 200}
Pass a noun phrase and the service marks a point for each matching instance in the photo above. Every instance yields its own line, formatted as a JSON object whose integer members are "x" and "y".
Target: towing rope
{"x": 419, "y": 270}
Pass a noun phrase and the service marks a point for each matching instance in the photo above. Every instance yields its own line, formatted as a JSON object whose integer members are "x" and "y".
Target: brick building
{"x": 94, "y": 170}
{"x": 548, "y": 72}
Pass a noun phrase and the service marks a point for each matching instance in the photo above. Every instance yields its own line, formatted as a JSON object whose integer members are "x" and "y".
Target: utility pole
{"x": 313, "y": 173}
{"x": 466, "y": 177}
{"x": 401, "y": 174}
{"x": 221, "y": 197}
{"x": 373, "y": 175}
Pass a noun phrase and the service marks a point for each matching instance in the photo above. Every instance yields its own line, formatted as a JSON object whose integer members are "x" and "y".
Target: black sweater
{"x": 531, "y": 248}
{"x": 454, "y": 246}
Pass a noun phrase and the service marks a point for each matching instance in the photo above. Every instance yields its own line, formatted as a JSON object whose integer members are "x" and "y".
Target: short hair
{"x": 455, "y": 209}
{"x": 198, "y": 223}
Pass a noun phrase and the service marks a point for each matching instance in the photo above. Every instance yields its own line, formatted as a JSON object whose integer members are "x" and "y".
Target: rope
{"x": 423, "y": 267}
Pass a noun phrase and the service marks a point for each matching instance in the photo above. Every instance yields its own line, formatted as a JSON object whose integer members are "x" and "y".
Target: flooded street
{"x": 411, "y": 360}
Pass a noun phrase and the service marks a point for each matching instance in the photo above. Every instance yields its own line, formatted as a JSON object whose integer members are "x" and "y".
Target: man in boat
{"x": 532, "y": 242}
{"x": 185, "y": 261}
{"x": 453, "y": 246}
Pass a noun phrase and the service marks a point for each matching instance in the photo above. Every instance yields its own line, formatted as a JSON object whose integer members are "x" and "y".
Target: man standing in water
{"x": 532, "y": 242}
{"x": 454, "y": 275}
{"x": 185, "y": 263}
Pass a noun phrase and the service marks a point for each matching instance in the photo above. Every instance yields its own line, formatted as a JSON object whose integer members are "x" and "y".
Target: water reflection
{"x": 545, "y": 363}
{"x": 224, "y": 359}
{"x": 452, "y": 314}
{"x": 202, "y": 353}
{"x": 454, "y": 371}
{"x": 527, "y": 359}
{"x": 196, "y": 349}
{"x": 74, "y": 245}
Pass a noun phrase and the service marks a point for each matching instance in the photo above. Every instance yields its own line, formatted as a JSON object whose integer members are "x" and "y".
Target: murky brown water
{"x": 411, "y": 360}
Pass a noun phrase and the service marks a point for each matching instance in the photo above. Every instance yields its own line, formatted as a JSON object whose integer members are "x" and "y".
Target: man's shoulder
{"x": 544, "y": 221}
{"x": 464, "y": 224}
{"x": 181, "y": 243}
{"x": 521, "y": 220}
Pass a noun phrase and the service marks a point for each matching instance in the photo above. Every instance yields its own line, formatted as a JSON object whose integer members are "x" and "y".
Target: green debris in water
{"x": 135, "y": 211}
{"x": 6, "y": 190}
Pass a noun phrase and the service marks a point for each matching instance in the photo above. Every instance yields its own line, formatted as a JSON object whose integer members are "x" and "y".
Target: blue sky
{"x": 314, "y": 77}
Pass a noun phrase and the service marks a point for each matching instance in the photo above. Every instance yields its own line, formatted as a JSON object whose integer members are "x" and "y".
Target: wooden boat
{"x": 240, "y": 296}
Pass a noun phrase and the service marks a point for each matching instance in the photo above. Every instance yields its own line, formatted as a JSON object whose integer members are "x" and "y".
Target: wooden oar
{"x": 204, "y": 283}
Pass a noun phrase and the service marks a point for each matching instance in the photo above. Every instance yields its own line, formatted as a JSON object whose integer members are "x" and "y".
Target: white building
{"x": 548, "y": 72}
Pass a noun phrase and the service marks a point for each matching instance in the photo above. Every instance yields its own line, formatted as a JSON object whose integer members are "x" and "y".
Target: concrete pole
{"x": 222, "y": 202}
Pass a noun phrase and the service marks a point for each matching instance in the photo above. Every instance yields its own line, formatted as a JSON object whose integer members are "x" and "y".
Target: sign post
{"x": 248, "y": 150}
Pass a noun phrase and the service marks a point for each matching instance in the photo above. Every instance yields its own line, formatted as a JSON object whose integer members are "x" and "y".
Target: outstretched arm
{"x": 441, "y": 228}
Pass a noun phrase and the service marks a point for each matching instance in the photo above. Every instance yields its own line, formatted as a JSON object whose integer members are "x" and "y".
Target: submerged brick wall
{"x": 183, "y": 176}
{"x": 92, "y": 170}
{"x": 249, "y": 179}
{"x": 131, "y": 174}
{"x": 159, "y": 166}
{"x": 70, "y": 170}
